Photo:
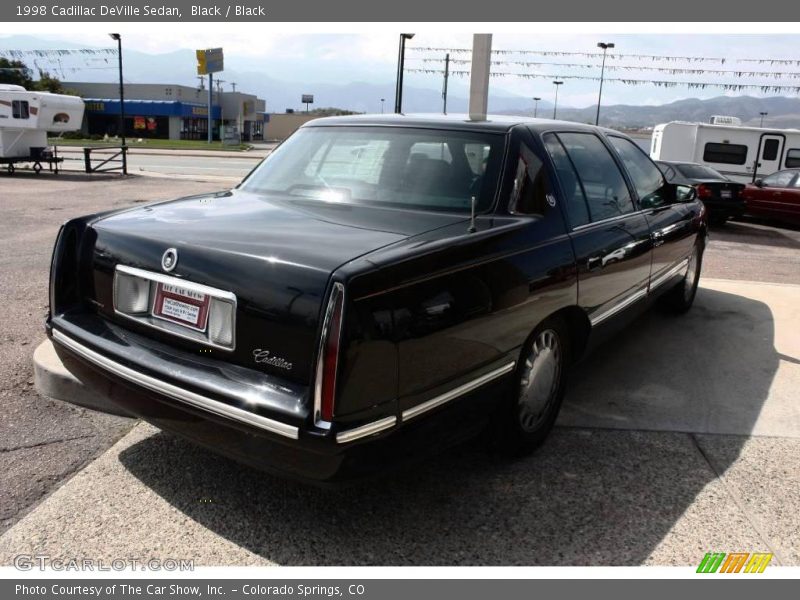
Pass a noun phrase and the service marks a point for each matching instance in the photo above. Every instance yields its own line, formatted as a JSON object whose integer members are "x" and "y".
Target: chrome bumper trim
{"x": 412, "y": 412}
{"x": 175, "y": 392}
{"x": 662, "y": 279}
{"x": 365, "y": 430}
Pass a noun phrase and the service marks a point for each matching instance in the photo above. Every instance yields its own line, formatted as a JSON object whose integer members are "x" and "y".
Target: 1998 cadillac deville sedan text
{"x": 376, "y": 285}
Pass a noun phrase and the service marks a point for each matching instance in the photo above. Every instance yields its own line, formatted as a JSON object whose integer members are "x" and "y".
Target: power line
{"x": 614, "y": 56}
{"x": 670, "y": 70}
{"x": 766, "y": 88}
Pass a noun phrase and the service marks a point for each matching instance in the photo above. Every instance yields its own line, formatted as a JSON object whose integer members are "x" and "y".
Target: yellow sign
{"x": 209, "y": 61}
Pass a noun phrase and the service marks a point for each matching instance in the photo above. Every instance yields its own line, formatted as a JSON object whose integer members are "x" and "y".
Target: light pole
{"x": 535, "y": 106}
{"x": 555, "y": 104}
{"x": 763, "y": 114}
{"x": 118, "y": 38}
{"x": 401, "y": 58}
{"x": 382, "y": 101}
{"x": 605, "y": 48}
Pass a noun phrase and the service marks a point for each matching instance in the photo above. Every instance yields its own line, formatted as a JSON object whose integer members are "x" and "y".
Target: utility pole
{"x": 555, "y": 104}
{"x": 401, "y": 59}
{"x": 210, "y": 107}
{"x": 605, "y": 48}
{"x": 763, "y": 114}
{"x": 444, "y": 88}
{"x": 219, "y": 83}
{"x": 535, "y": 106}
{"x": 118, "y": 38}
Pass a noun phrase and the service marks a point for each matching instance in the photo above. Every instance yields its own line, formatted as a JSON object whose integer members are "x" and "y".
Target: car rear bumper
{"x": 724, "y": 207}
{"x": 129, "y": 371}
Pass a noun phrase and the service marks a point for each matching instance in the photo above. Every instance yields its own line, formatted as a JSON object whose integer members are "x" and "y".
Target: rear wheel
{"x": 530, "y": 413}
{"x": 680, "y": 298}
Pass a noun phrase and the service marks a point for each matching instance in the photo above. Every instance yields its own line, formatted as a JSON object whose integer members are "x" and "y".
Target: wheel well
{"x": 579, "y": 327}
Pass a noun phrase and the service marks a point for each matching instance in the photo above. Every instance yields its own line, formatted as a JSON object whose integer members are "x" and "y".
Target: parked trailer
{"x": 742, "y": 153}
{"x": 25, "y": 120}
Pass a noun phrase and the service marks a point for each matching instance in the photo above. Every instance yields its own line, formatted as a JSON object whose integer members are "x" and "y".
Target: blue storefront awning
{"x": 150, "y": 108}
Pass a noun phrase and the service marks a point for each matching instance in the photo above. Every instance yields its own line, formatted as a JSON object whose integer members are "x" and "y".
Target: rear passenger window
{"x": 602, "y": 184}
{"x": 726, "y": 154}
{"x": 647, "y": 179}
{"x": 529, "y": 196}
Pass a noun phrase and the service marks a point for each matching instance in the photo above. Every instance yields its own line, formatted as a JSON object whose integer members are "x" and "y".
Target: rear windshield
{"x": 700, "y": 172}
{"x": 384, "y": 166}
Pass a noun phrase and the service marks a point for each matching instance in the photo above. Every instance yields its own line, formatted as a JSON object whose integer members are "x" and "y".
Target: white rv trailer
{"x": 741, "y": 153}
{"x": 26, "y": 117}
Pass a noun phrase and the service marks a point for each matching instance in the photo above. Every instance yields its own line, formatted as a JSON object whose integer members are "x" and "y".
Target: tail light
{"x": 704, "y": 191}
{"x": 328, "y": 359}
{"x": 64, "y": 270}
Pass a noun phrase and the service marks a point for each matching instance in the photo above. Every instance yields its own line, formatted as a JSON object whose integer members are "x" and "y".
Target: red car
{"x": 777, "y": 196}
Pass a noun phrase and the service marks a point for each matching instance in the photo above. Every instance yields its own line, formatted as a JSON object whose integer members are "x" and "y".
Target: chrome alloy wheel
{"x": 540, "y": 380}
{"x": 690, "y": 281}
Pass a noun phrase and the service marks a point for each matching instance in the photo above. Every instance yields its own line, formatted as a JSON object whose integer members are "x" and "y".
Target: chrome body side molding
{"x": 414, "y": 411}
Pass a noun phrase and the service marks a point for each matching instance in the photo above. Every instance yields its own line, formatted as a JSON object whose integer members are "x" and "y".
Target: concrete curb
{"x": 54, "y": 379}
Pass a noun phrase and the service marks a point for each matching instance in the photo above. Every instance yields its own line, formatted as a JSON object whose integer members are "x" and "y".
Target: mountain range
{"x": 281, "y": 83}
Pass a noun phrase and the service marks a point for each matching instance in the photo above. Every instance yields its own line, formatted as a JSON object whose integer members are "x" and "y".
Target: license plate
{"x": 181, "y": 305}
{"x": 725, "y": 194}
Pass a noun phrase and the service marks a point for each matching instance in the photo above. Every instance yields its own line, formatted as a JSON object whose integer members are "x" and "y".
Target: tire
{"x": 529, "y": 413}
{"x": 680, "y": 298}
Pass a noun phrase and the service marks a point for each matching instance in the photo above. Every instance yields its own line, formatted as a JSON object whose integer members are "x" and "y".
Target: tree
{"x": 15, "y": 72}
{"x": 48, "y": 83}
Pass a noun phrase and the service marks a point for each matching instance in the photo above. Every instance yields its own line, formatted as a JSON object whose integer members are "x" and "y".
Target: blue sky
{"x": 340, "y": 58}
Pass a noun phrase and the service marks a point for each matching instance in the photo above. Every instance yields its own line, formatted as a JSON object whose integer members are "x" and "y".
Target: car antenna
{"x": 472, "y": 228}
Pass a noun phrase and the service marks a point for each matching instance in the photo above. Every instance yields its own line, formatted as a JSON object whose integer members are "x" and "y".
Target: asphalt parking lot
{"x": 674, "y": 440}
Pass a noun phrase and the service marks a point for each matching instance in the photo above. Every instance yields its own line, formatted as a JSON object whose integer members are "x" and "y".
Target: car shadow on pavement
{"x": 601, "y": 491}
{"x": 764, "y": 233}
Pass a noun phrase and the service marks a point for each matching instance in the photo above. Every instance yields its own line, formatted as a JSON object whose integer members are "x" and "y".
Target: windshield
{"x": 384, "y": 166}
{"x": 700, "y": 172}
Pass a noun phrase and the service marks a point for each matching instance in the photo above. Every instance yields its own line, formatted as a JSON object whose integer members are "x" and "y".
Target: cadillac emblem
{"x": 169, "y": 259}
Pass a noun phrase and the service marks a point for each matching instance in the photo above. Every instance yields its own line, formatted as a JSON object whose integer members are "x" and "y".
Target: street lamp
{"x": 118, "y": 38}
{"x": 382, "y": 101}
{"x": 763, "y": 114}
{"x": 605, "y": 48}
{"x": 535, "y": 106}
{"x": 555, "y": 104}
{"x": 401, "y": 58}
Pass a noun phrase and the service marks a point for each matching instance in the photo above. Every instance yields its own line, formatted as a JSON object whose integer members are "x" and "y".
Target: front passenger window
{"x": 780, "y": 179}
{"x": 650, "y": 186}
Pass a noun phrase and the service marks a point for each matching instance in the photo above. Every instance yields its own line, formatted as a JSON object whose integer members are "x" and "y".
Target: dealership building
{"x": 175, "y": 112}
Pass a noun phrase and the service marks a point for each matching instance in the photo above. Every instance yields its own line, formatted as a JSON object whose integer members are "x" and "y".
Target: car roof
{"x": 492, "y": 123}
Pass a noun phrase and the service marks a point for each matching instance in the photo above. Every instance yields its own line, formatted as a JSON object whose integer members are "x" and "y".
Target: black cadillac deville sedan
{"x": 377, "y": 286}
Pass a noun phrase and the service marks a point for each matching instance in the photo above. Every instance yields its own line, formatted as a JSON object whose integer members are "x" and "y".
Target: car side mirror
{"x": 685, "y": 193}
{"x": 759, "y": 183}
